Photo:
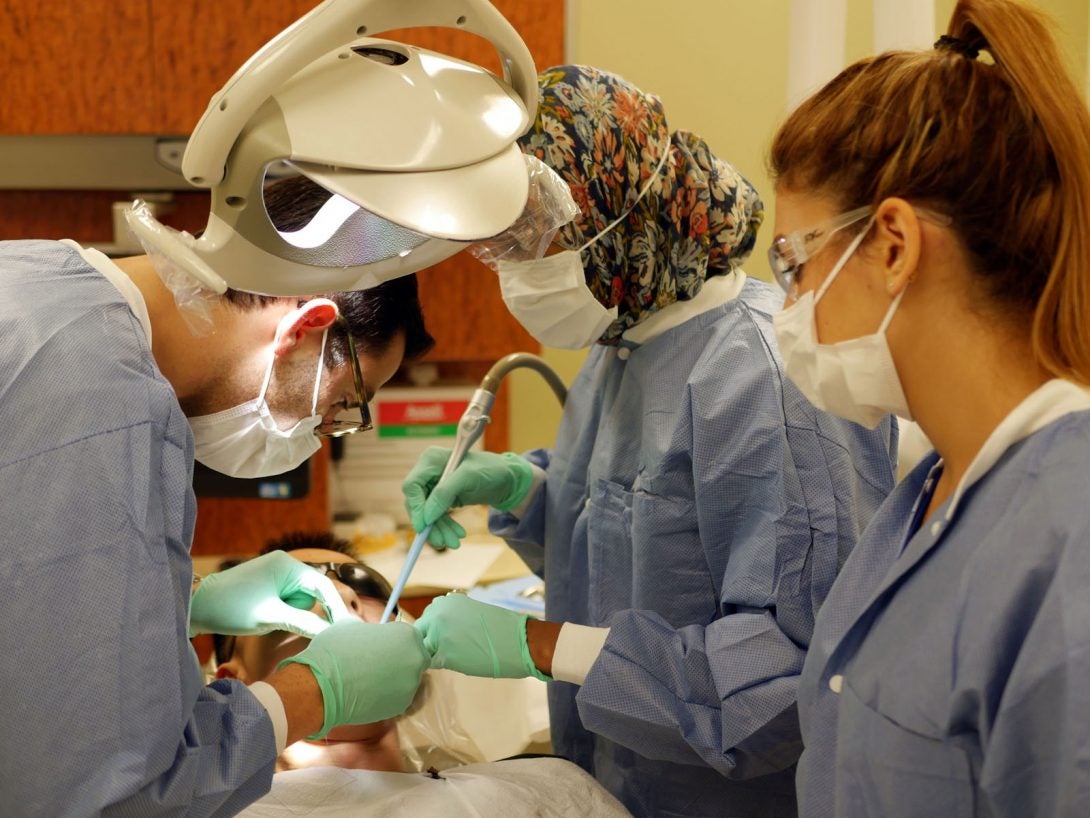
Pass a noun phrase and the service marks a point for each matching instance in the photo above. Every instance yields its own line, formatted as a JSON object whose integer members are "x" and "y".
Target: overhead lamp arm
{"x": 330, "y": 25}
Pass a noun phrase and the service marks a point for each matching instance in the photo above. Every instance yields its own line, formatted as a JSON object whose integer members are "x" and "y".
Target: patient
{"x": 252, "y": 658}
{"x": 359, "y": 770}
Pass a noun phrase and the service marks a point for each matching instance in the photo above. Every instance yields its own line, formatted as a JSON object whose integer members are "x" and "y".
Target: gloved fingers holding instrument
{"x": 273, "y": 592}
{"x": 498, "y": 480}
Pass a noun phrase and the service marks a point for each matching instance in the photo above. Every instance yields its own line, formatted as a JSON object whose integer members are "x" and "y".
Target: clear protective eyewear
{"x": 788, "y": 253}
{"x": 340, "y": 427}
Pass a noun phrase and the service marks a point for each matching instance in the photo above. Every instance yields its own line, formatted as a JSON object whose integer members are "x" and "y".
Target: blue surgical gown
{"x": 963, "y": 661}
{"x": 700, "y": 507}
{"x": 104, "y": 706}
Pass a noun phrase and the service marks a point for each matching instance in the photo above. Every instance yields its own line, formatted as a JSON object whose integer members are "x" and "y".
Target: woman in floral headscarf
{"x": 696, "y": 507}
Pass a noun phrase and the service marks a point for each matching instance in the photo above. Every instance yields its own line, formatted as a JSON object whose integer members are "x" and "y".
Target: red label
{"x": 420, "y": 412}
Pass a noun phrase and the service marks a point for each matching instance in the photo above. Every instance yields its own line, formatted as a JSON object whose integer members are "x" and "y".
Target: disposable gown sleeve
{"x": 105, "y": 707}
{"x": 771, "y": 523}
{"x": 526, "y": 534}
{"x": 225, "y": 759}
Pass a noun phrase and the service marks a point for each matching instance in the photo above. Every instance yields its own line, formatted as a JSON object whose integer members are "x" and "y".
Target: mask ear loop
{"x": 889, "y": 313}
{"x": 643, "y": 192}
{"x": 843, "y": 261}
{"x": 321, "y": 355}
{"x": 272, "y": 360}
{"x": 318, "y": 379}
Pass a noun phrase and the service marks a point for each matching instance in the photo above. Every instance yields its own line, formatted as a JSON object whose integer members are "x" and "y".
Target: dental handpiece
{"x": 470, "y": 428}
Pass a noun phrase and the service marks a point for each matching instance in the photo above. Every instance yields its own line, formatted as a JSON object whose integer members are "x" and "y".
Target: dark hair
{"x": 375, "y": 316}
{"x": 223, "y": 645}
{"x": 295, "y": 540}
{"x": 1002, "y": 146}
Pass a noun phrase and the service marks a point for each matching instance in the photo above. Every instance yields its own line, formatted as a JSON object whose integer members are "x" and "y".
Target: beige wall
{"x": 720, "y": 67}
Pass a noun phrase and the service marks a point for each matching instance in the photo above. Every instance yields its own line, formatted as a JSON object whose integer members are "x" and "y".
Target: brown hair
{"x": 1002, "y": 146}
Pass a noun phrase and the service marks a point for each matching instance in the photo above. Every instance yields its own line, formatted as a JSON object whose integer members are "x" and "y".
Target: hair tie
{"x": 957, "y": 45}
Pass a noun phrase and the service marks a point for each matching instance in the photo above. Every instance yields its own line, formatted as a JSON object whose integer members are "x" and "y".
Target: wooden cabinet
{"x": 150, "y": 67}
{"x": 233, "y": 525}
{"x": 76, "y": 67}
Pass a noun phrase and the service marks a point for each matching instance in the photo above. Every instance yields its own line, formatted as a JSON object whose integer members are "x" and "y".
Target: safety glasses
{"x": 357, "y": 576}
{"x": 340, "y": 427}
{"x": 788, "y": 253}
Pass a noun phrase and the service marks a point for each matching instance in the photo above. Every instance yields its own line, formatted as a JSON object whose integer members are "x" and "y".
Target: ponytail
{"x": 1002, "y": 146}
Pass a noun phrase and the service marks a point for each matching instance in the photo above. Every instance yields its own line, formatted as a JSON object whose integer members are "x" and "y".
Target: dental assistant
{"x": 932, "y": 230}
{"x": 105, "y": 397}
{"x": 696, "y": 507}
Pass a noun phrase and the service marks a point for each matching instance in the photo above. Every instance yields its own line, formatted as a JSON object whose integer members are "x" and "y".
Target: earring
{"x": 891, "y": 285}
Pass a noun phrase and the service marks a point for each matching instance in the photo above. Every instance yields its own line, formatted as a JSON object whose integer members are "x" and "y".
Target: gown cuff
{"x": 576, "y": 650}
{"x": 268, "y": 697}
{"x": 536, "y": 483}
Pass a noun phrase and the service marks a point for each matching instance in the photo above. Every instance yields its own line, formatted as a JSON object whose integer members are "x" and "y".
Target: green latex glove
{"x": 273, "y": 592}
{"x": 498, "y": 480}
{"x": 366, "y": 672}
{"x": 477, "y": 639}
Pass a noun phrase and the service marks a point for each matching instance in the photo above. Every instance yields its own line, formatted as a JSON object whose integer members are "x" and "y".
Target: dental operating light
{"x": 416, "y": 150}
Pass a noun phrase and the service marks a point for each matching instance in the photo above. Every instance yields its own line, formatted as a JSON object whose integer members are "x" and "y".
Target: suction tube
{"x": 491, "y": 381}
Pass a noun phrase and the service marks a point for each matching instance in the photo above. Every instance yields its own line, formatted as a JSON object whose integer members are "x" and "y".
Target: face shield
{"x": 337, "y": 161}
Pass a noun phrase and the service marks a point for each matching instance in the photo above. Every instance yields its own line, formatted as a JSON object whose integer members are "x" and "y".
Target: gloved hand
{"x": 477, "y": 639}
{"x": 366, "y": 672}
{"x": 499, "y": 480}
{"x": 273, "y": 592}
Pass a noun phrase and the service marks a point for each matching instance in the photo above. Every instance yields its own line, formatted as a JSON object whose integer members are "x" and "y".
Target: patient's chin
{"x": 359, "y": 732}
{"x": 352, "y": 747}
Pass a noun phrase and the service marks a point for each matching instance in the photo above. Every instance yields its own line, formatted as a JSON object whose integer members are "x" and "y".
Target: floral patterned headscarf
{"x": 699, "y": 217}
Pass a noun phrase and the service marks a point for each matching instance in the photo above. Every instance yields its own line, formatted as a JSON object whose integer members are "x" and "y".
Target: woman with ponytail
{"x": 933, "y": 234}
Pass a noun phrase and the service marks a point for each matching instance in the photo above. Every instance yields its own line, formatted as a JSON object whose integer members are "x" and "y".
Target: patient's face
{"x": 256, "y": 657}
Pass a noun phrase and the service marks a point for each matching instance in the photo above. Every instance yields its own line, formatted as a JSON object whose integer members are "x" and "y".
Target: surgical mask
{"x": 551, "y": 299}
{"x": 854, "y": 379}
{"x": 549, "y": 296}
{"x": 244, "y": 441}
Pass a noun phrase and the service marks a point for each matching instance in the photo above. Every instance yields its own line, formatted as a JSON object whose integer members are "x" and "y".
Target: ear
{"x": 316, "y": 315}
{"x": 898, "y": 241}
{"x": 233, "y": 669}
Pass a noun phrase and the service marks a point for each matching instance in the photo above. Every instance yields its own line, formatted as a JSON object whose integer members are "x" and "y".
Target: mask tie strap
{"x": 631, "y": 207}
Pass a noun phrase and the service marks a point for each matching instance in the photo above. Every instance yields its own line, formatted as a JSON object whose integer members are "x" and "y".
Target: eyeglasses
{"x": 788, "y": 253}
{"x": 339, "y": 428}
{"x": 357, "y": 576}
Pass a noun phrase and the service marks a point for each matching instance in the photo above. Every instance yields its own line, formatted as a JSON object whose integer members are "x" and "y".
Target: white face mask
{"x": 549, "y": 296}
{"x": 244, "y": 441}
{"x": 854, "y": 379}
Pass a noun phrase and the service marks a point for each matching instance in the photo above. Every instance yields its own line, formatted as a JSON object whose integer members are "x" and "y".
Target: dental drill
{"x": 470, "y": 428}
